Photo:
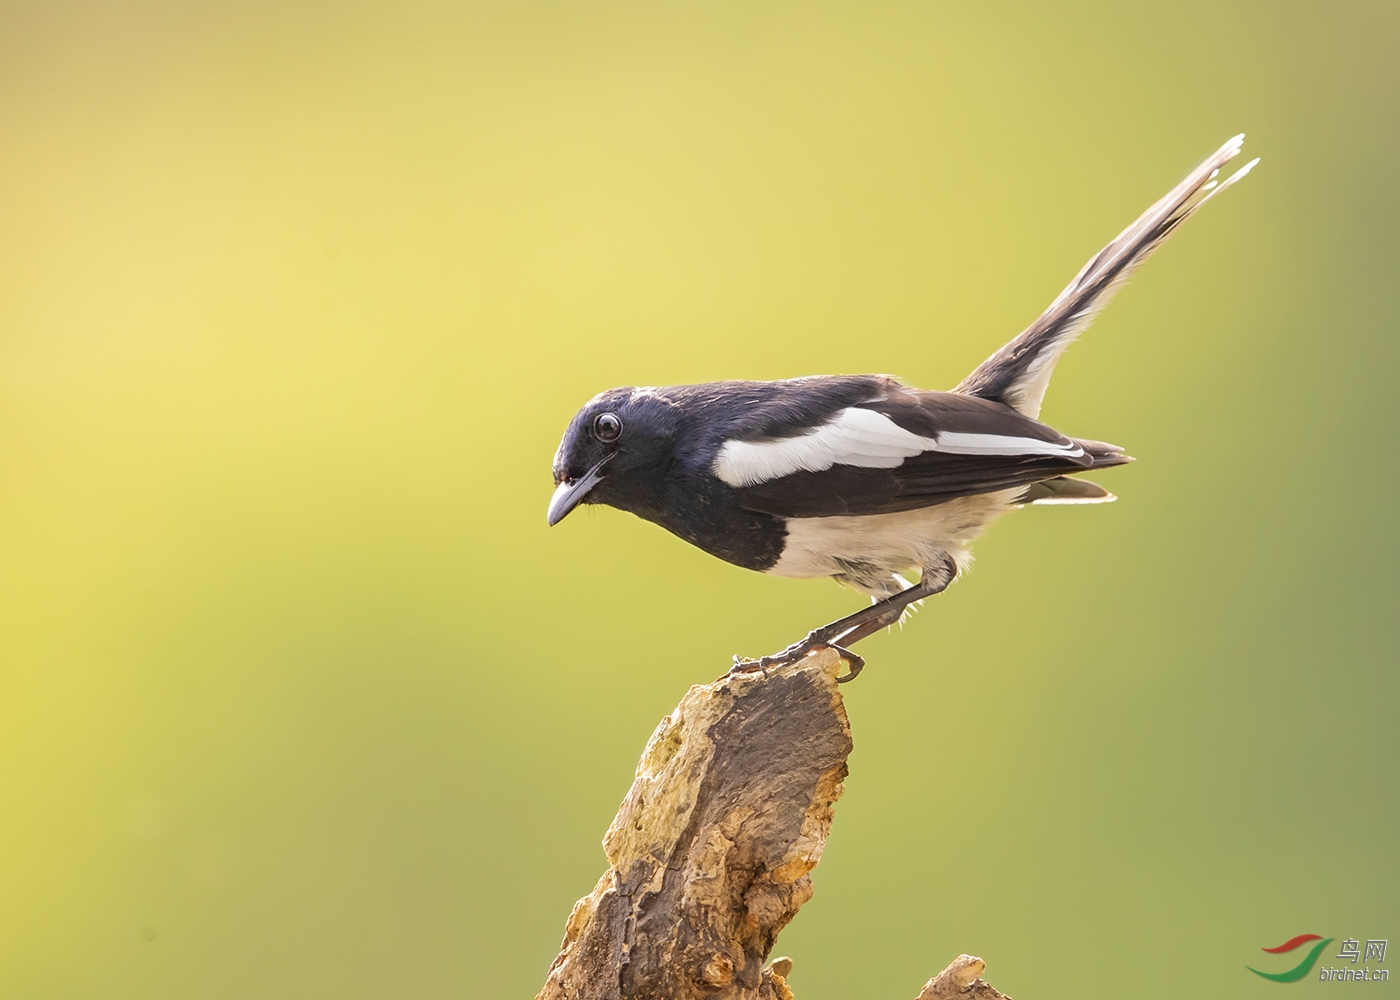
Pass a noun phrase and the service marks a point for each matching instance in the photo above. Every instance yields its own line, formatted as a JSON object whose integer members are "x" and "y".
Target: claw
{"x": 855, "y": 663}
{"x": 743, "y": 666}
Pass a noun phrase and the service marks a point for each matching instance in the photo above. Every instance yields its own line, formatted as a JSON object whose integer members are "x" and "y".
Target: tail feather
{"x": 1019, "y": 373}
{"x": 1065, "y": 490}
{"x": 1102, "y": 455}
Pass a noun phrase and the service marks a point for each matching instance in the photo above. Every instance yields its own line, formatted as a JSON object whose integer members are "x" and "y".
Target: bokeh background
{"x": 300, "y": 698}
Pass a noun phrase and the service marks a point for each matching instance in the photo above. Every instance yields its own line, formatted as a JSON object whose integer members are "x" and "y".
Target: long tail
{"x": 1019, "y": 373}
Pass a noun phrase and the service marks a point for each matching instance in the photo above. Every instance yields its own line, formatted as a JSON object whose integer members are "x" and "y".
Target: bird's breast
{"x": 868, "y": 550}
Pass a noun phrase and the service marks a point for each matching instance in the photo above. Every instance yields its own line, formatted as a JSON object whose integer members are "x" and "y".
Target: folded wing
{"x": 903, "y": 450}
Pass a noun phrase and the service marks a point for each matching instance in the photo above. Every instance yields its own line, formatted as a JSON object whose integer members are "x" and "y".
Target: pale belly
{"x": 871, "y": 552}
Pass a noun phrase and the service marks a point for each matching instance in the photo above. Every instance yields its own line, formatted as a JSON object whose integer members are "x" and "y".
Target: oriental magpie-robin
{"x": 859, "y": 477}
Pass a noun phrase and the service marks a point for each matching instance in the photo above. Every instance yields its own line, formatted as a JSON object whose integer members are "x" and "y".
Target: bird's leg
{"x": 838, "y": 634}
{"x": 823, "y": 636}
{"x": 854, "y": 662}
{"x": 845, "y": 632}
{"x": 890, "y": 616}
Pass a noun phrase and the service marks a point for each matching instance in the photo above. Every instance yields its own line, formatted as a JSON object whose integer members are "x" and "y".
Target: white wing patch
{"x": 865, "y": 439}
{"x": 996, "y": 444}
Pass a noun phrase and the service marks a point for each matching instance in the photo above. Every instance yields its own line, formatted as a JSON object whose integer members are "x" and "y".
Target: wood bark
{"x": 711, "y": 852}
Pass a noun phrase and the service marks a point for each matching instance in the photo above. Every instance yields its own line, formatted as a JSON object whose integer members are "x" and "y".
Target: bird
{"x": 860, "y": 477}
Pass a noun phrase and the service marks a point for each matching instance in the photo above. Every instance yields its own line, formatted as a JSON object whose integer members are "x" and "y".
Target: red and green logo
{"x": 1302, "y": 968}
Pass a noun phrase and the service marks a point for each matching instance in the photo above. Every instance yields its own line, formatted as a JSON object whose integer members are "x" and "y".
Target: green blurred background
{"x": 300, "y": 698}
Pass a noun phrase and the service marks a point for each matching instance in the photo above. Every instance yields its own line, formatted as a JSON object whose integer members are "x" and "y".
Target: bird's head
{"x": 616, "y": 451}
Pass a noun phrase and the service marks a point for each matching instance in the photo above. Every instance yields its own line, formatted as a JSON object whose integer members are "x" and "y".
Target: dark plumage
{"x": 859, "y": 477}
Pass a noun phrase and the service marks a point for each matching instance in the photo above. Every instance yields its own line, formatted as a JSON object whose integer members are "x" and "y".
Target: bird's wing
{"x": 901, "y": 451}
{"x": 1019, "y": 373}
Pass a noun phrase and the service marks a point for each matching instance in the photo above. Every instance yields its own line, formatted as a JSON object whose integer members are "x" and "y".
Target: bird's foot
{"x": 815, "y": 640}
{"x": 792, "y": 654}
{"x": 743, "y": 666}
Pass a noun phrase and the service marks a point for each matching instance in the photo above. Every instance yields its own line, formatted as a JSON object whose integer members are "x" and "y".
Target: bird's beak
{"x": 570, "y": 493}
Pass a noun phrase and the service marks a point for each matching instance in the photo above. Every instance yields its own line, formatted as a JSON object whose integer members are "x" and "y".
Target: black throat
{"x": 700, "y": 509}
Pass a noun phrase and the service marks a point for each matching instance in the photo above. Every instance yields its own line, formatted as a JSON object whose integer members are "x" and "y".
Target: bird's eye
{"x": 607, "y": 427}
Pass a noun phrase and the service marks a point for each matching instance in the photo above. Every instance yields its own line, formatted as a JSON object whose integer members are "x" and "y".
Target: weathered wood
{"x": 960, "y": 981}
{"x": 711, "y": 851}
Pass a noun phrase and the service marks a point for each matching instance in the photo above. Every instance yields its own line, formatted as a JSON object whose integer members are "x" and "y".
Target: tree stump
{"x": 711, "y": 852}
